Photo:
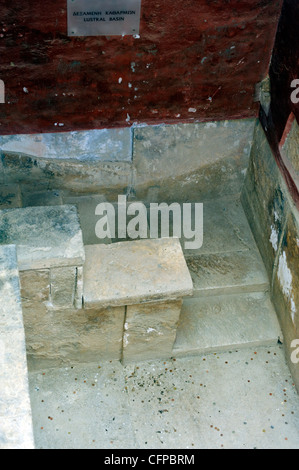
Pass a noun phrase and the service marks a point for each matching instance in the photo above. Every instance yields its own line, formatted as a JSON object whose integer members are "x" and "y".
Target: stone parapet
{"x": 16, "y": 431}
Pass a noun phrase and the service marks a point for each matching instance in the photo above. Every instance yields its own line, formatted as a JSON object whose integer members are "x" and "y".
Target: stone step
{"x": 130, "y": 273}
{"x": 224, "y": 225}
{"x": 220, "y": 323}
{"x": 225, "y": 228}
{"x": 148, "y": 278}
{"x": 228, "y": 273}
{"x": 50, "y": 252}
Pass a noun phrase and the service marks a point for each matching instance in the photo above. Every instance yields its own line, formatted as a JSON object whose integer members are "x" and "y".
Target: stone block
{"x": 73, "y": 176}
{"x": 289, "y": 145}
{"x": 273, "y": 219}
{"x": 150, "y": 331}
{"x": 227, "y": 273}
{"x": 42, "y": 198}
{"x": 216, "y": 156}
{"x": 221, "y": 323}
{"x": 66, "y": 336}
{"x": 10, "y": 305}
{"x": 224, "y": 226}
{"x": 286, "y": 276}
{"x": 128, "y": 273}
{"x": 16, "y": 430}
{"x": 10, "y": 196}
{"x": 63, "y": 286}
{"x": 45, "y": 236}
{"x": 264, "y": 199}
{"x": 132, "y": 208}
{"x": 35, "y": 286}
{"x": 112, "y": 145}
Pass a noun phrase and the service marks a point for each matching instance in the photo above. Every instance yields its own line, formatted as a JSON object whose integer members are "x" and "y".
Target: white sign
{"x": 103, "y": 17}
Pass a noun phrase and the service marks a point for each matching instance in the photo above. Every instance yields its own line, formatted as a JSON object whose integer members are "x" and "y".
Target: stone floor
{"x": 228, "y": 384}
{"x": 239, "y": 399}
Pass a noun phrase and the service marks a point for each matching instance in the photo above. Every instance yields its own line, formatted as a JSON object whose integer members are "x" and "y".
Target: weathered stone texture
{"x": 42, "y": 198}
{"x": 274, "y": 220}
{"x": 290, "y": 147}
{"x": 79, "y": 288}
{"x": 86, "y": 206}
{"x": 150, "y": 331}
{"x": 99, "y": 144}
{"x": 50, "y": 252}
{"x": 10, "y": 196}
{"x": 211, "y": 324}
{"x": 45, "y": 236}
{"x": 214, "y": 163}
{"x": 16, "y": 430}
{"x": 35, "y": 286}
{"x": 264, "y": 199}
{"x": 63, "y": 286}
{"x": 128, "y": 273}
{"x": 286, "y": 276}
{"x": 149, "y": 278}
{"x": 220, "y": 273}
{"x": 72, "y": 176}
{"x": 58, "y": 337}
{"x": 215, "y": 159}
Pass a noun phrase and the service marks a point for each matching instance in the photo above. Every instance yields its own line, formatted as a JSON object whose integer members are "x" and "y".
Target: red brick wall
{"x": 194, "y": 60}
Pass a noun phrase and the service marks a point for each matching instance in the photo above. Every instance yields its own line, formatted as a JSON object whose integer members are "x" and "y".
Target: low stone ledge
{"x": 45, "y": 236}
{"x": 16, "y": 430}
{"x": 92, "y": 145}
{"x": 50, "y": 252}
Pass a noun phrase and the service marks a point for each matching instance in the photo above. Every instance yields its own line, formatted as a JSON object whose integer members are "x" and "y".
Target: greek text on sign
{"x": 103, "y": 17}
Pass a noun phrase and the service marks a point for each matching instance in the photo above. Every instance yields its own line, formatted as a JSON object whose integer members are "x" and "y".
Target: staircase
{"x": 231, "y": 306}
{"x": 227, "y": 383}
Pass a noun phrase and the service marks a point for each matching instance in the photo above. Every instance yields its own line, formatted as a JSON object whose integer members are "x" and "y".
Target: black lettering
{"x": 117, "y": 13}
{"x": 117, "y": 18}
{"x": 94, "y": 19}
{"x": 87, "y": 13}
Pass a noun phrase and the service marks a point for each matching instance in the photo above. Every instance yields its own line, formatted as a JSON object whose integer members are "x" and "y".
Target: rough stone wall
{"x": 274, "y": 220}
{"x": 182, "y": 162}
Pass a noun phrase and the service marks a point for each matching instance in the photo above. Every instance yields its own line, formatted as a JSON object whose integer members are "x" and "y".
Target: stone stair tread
{"x": 45, "y": 236}
{"x": 225, "y": 227}
{"x": 226, "y": 322}
{"x": 223, "y": 273}
{"x": 128, "y": 273}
